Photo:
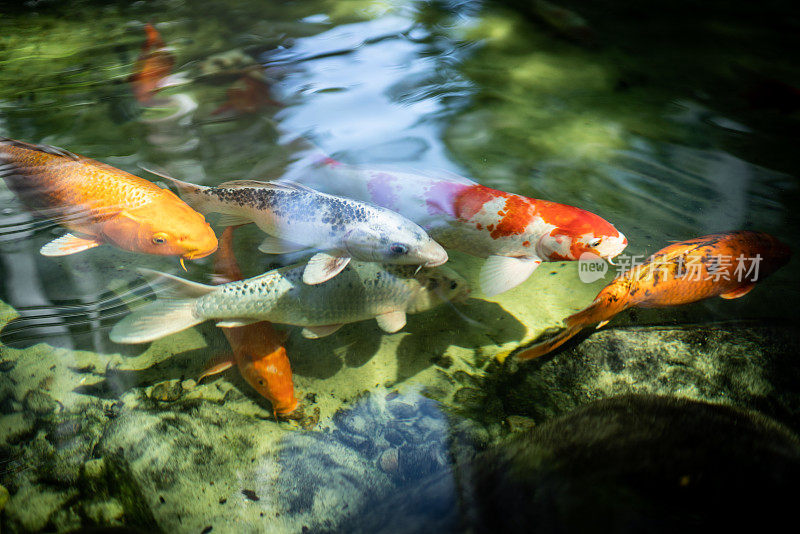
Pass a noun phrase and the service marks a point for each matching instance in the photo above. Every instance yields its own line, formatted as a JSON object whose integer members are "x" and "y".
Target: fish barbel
{"x": 296, "y": 218}
{"x": 727, "y": 265}
{"x": 361, "y": 291}
{"x": 514, "y": 233}
{"x": 102, "y": 204}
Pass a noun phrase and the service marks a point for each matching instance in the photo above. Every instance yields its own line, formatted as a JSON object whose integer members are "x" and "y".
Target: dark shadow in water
{"x": 181, "y": 366}
{"x": 427, "y": 343}
{"x": 431, "y": 333}
{"x": 354, "y": 343}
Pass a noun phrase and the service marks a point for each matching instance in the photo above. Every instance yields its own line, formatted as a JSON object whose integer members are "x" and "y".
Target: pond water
{"x": 671, "y": 122}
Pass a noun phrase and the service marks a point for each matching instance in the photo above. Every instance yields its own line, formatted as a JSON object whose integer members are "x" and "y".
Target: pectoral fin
{"x": 216, "y": 366}
{"x": 501, "y": 273}
{"x": 391, "y": 322}
{"x": 276, "y": 245}
{"x": 236, "y": 323}
{"x": 316, "y": 332}
{"x": 68, "y": 244}
{"x": 738, "y": 292}
{"x": 229, "y": 219}
{"x": 323, "y": 266}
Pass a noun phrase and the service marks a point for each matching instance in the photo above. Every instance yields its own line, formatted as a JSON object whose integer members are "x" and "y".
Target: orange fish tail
{"x": 545, "y": 347}
{"x": 604, "y": 307}
{"x": 225, "y": 264}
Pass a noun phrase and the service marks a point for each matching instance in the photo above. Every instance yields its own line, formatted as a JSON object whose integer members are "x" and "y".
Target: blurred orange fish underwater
{"x": 257, "y": 348}
{"x": 102, "y": 204}
{"x": 727, "y": 265}
{"x": 248, "y": 94}
{"x": 153, "y": 67}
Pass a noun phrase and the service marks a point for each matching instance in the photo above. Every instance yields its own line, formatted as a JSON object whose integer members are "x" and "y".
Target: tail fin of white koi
{"x": 172, "y": 312}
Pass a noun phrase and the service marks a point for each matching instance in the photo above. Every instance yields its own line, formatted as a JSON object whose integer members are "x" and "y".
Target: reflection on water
{"x": 97, "y": 433}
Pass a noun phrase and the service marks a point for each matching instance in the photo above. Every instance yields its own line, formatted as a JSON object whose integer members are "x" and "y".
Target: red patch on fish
{"x": 516, "y": 216}
{"x": 573, "y": 221}
{"x": 472, "y": 199}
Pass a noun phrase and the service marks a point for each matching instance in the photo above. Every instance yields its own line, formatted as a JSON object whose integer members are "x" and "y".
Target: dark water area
{"x": 671, "y": 120}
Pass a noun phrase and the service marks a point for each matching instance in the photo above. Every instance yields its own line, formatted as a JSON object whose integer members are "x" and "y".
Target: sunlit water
{"x": 474, "y": 90}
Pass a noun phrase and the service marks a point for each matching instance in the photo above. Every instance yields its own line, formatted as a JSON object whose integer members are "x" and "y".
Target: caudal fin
{"x": 172, "y": 312}
{"x": 597, "y": 312}
{"x": 545, "y": 347}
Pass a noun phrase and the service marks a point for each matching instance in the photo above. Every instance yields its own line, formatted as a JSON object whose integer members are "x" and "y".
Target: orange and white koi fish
{"x": 257, "y": 348}
{"x": 102, "y": 204}
{"x": 515, "y": 233}
{"x": 153, "y": 67}
{"x": 726, "y": 265}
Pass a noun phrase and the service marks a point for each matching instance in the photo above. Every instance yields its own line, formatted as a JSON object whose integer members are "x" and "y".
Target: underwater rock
{"x": 389, "y": 461}
{"x": 30, "y": 509}
{"x": 167, "y": 391}
{"x": 750, "y": 366}
{"x": 193, "y": 463}
{"x": 640, "y": 463}
{"x": 39, "y": 402}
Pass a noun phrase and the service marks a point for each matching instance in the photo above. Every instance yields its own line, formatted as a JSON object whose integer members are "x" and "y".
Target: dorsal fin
{"x": 286, "y": 186}
{"x": 54, "y": 150}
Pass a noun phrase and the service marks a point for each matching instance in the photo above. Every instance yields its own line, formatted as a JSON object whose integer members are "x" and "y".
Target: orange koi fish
{"x": 726, "y": 265}
{"x": 257, "y": 348}
{"x": 154, "y": 65}
{"x": 102, "y": 204}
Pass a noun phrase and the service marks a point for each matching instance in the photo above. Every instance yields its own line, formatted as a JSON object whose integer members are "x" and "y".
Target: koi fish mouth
{"x": 435, "y": 263}
{"x": 195, "y": 254}
{"x": 200, "y": 253}
{"x": 435, "y": 254}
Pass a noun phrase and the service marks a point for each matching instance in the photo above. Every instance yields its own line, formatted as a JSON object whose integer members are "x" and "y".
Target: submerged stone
{"x": 640, "y": 463}
{"x": 751, "y": 366}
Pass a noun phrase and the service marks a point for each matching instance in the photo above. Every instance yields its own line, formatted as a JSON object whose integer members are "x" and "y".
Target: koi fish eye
{"x": 595, "y": 242}
{"x": 453, "y": 285}
{"x": 398, "y": 248}
{"x": 159, "y": 239}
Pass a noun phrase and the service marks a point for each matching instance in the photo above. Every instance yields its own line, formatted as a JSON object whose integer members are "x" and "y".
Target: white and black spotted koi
{"x": 297, "y": 218}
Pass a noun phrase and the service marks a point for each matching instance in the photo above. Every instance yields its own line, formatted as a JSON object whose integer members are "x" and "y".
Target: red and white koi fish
{"x": 514, "y": 233}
